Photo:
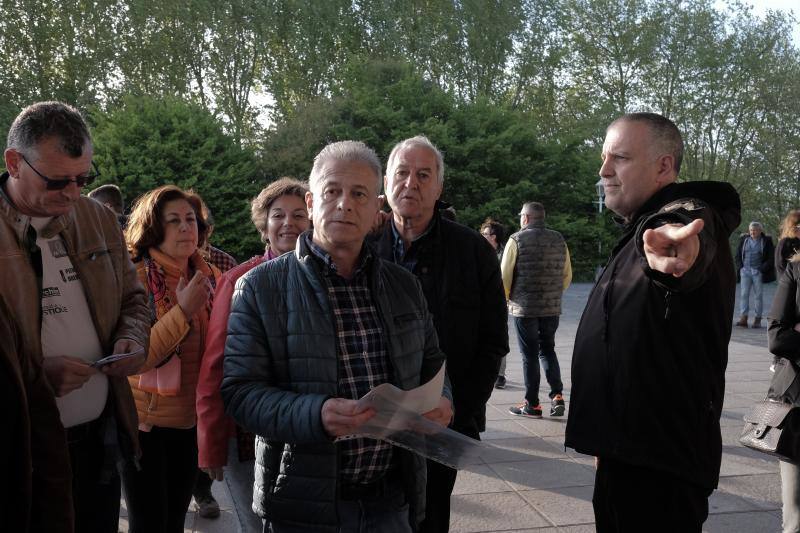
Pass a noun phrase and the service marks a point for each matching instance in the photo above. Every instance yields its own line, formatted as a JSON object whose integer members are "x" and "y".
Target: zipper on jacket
{"x": 667, "y": 298}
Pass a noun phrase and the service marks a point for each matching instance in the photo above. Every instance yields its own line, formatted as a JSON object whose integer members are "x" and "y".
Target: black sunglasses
{"x": 57, "y": 185}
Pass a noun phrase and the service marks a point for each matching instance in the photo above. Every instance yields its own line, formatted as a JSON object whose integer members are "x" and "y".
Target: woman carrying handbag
{"x": 784, "y": 342}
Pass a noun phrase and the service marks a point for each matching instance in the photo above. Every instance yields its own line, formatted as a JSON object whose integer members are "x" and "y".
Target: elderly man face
{"x": 39, "y": 174}
{"x": 632, "y": 169}
{"x": 412, "y": 184}
{"x": 755, "y": 232}
{"x": 343, "y": 203}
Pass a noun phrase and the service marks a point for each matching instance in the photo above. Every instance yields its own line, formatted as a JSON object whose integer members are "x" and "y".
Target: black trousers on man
{"x": 630, "y": 499}
{"x": 441, "y": 480}
{"x": 95, "y": 480}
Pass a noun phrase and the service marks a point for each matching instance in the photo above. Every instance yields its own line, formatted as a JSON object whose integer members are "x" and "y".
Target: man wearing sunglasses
{"x": 74, "y": 297}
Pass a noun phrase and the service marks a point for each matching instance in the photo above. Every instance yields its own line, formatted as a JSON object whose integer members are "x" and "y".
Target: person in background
{"x": 73, "y": 295}
{"x": 789, "y": 243}
{"x": 536, "y": 271}
{"x": 460, "y": 276}
{"x": 165, "y": 231}
{"x": 495, "y": 234}
{"x": 204, "y": 501}
{"x": 111, "y": 196}
{"x": 219, "y": 258}
{"x": 755, "y": 256}
{"x": 280, "y": 216}
{"x": 784, "y": 343}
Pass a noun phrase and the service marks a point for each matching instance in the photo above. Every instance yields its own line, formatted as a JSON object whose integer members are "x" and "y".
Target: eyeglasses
{"x": 58, "y": 185}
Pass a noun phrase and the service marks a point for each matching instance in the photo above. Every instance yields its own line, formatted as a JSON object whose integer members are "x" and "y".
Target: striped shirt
{"x": 363, "y": 362}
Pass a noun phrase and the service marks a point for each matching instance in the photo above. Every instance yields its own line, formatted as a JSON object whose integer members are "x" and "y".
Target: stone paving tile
{"x": 745, "y": 522}
{"x": 544, "y": 474}
{"x": 536, "y": 447}
{"x": 564, "y": 506}
{"x": 763, "y": 490}
{"x": 736, "y": 463}
{"x": 480, "y": 479}
{"x": 502, "y": 511}
{"x": 759, "y": 388}
{"x": 504, "y": 429}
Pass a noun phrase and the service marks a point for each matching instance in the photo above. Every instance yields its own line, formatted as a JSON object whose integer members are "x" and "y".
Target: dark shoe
{"x": 756, "y": 322}
{"x": 207, "y": 506}
{"x": 557, "y": 407}
{"x": 742, "y": 322}
{"x": 500, "y": 383}
{"x": 524, "y": 409}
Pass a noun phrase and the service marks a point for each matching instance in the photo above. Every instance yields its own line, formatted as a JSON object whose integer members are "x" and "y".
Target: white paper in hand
{"x": 419, "y": 400}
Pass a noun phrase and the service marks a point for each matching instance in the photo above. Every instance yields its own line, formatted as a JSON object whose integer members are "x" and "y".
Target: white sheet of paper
{"x": 419, "y": 400}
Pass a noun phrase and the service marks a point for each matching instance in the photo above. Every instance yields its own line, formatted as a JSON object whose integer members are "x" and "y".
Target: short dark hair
{"x": 44, "y": 120}
{"x": 495, "y": 228}
{"x": 259, "y": 207}
{"x": 110, "y": 195}
{"x": 146, "y": 223}
{"x": 665, "y": 133}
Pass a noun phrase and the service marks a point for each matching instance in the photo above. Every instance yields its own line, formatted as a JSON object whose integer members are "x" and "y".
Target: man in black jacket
{"x": 461, "y": 280}
{"x": 755, "y": 266}
{"x": 648, "y": 370}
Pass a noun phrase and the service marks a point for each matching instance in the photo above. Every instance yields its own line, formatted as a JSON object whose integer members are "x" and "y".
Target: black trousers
{"x": 95, "y": 483}
{"x": 158, "y": 495}
{"x": 441, "y": 480}
{"x": 630, "y": 499}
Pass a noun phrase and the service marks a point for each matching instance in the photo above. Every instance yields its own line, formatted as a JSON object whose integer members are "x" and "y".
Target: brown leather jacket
{"x": 119, "y": 310}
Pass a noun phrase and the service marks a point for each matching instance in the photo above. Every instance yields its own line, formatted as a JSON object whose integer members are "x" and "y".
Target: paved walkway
{"x": 551, "y": 491}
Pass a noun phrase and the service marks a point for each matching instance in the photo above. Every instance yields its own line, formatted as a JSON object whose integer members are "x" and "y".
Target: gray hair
{"x": 755, "y": 224}
{"x": 666, "y": 135}
{"x": 44, "y": 120}
{"x": 420, "y": 141}
{"x": 533, "y": 209}
{"x": 353, "y": 151}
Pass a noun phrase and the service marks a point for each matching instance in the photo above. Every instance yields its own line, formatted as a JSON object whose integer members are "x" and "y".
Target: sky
{"x": 762, "y": 6}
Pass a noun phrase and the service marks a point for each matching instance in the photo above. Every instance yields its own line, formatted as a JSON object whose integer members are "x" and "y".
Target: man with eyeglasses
{"x": 75, "y": 298}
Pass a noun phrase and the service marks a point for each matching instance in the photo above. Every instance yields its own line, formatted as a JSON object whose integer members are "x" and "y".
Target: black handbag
{"x": 773, "y": 427}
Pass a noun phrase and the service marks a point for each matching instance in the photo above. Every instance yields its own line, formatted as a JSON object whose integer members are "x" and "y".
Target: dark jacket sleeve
{"x": 784, "y": 341}
{"x": 250, "y": 383}
{"x": 710, "y": 237}
{"x": 767, "y": 261}
{"x": 737, "y": 257}
{"x": 780, "y": 262}
{"x": 493, "y": 329}
{"x": 433, "y": 358}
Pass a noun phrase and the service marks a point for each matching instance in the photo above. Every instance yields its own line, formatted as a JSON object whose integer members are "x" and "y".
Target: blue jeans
{"x": 751, "y": 278}
{"x": 389, "y": 514}
{"x": 536, "y": 337}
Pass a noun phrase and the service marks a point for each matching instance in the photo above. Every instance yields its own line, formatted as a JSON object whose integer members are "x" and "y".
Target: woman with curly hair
{"x": 789, "y": 243}
{"x": 164, "y": 232}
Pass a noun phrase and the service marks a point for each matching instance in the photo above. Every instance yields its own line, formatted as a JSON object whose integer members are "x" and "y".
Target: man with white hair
{"x": 754, "y": 265}
{"x": 460, "y": 277}
{"x": 311, "y": 332}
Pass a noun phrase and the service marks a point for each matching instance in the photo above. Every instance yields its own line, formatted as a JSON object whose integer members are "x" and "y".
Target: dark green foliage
{"x": 148, "y": 142}
{"x": 494, "y": 160}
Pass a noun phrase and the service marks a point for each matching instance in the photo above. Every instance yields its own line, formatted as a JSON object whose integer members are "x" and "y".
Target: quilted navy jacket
{"x": 280, "y": 367}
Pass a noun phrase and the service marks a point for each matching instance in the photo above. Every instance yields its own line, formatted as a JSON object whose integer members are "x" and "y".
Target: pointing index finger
{"x": 689, "y": 230}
